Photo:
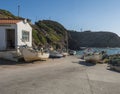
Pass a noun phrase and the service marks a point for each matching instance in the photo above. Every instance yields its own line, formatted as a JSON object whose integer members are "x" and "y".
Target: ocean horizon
{"x": 109, "y": 51}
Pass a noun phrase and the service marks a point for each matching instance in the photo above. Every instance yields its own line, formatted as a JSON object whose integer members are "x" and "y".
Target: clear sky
{"x": 95, "y": 15}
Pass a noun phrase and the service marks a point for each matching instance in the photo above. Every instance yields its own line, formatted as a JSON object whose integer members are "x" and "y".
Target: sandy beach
{"x": 58, "y": 76}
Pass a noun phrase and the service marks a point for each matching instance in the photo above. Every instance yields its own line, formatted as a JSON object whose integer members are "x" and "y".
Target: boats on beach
{"x": 94, "y": 56}
{"x": 30, "y": 54}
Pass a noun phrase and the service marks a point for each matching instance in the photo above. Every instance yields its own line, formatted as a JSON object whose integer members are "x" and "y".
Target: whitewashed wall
{"x": 26, "y": 27}
{"x": 3, "y": 34}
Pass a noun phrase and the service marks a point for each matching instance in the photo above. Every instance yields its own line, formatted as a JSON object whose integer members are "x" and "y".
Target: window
{"x": 25, "y": 36}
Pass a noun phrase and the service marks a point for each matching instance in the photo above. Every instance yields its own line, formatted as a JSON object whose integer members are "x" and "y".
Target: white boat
{"x": 72, "y": 52}
{"x": 31, "y": 55}
{"x": 55, "y": 54}
{"x": 64, "y": 54}
{"x": 88, "y": 51}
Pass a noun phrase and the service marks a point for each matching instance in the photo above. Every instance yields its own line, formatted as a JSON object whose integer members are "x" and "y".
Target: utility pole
{"x": 18, "y": 10}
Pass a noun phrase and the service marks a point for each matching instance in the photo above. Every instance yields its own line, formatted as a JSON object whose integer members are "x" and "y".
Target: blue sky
{"x": 95, "y": 15}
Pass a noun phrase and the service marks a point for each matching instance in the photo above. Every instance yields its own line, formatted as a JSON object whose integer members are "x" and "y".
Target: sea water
{"x": 109, "y": 51}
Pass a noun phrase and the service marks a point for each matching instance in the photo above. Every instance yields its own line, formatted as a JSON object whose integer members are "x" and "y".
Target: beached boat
{"x": 31, "y": 55}
{"x": 88, "y": 51}
{"x": 64, "y": 54}
{"x": 72, "y": 52}
{"x": 55, "y": 54}
{"x": 96, "y": 57}
{"x": 114, "y": 63}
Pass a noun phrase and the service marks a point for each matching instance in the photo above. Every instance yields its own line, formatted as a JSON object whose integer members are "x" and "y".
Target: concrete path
{"x": 58, "y": 76}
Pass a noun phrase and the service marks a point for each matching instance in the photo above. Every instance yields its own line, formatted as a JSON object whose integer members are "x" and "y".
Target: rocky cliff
{"x": 49, "y": 33}
{"x": 96, "y": 39}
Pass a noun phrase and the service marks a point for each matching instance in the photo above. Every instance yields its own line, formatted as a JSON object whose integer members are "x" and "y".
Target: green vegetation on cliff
{"x": 6, "y": 14}
{"x": 49, "y": 33}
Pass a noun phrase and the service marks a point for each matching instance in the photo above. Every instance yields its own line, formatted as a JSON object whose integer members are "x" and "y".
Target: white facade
{"x": 18, "y": 28}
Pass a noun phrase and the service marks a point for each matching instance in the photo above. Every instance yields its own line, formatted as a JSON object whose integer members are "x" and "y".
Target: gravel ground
{"x": 58, "y": 76}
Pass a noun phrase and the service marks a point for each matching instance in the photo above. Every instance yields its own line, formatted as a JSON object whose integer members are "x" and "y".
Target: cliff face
{"x": 49, "y": 33}
{"x": 96, "y": 39}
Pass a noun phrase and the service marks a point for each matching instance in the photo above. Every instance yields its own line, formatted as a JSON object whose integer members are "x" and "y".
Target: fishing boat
{"x": 114, "y": 66}
{"x": 114, "y": 62}
{"x": 64, "y": 54}
{"x": 55, "y": 54}
{"x": 88, "y": 51}
{"x": 72, "y": 52}
{"x": 30, "y": 54}
{"x": 96, "y": 57}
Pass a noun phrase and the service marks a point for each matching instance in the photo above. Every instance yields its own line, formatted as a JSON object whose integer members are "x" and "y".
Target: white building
{"x": 14, "y": 33}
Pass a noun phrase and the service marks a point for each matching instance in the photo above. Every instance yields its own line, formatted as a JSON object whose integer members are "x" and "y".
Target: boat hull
{"x": 31, "y": 55}
{"x": 95, "y": 58}
{"x": 55, "y": 54}
{"x": 65, "y": 54}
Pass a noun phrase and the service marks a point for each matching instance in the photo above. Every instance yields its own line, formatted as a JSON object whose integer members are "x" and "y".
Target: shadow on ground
{"x": 8, "y": 62}
{"x": 85, "y": 63}
{"x": 113, "y": 70}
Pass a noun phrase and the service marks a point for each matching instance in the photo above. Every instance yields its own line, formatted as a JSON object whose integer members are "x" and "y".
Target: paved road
{"x": 60, "y": 76}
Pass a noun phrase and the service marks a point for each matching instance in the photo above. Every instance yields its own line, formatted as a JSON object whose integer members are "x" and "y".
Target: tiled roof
{"x": 9, "y": 21}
